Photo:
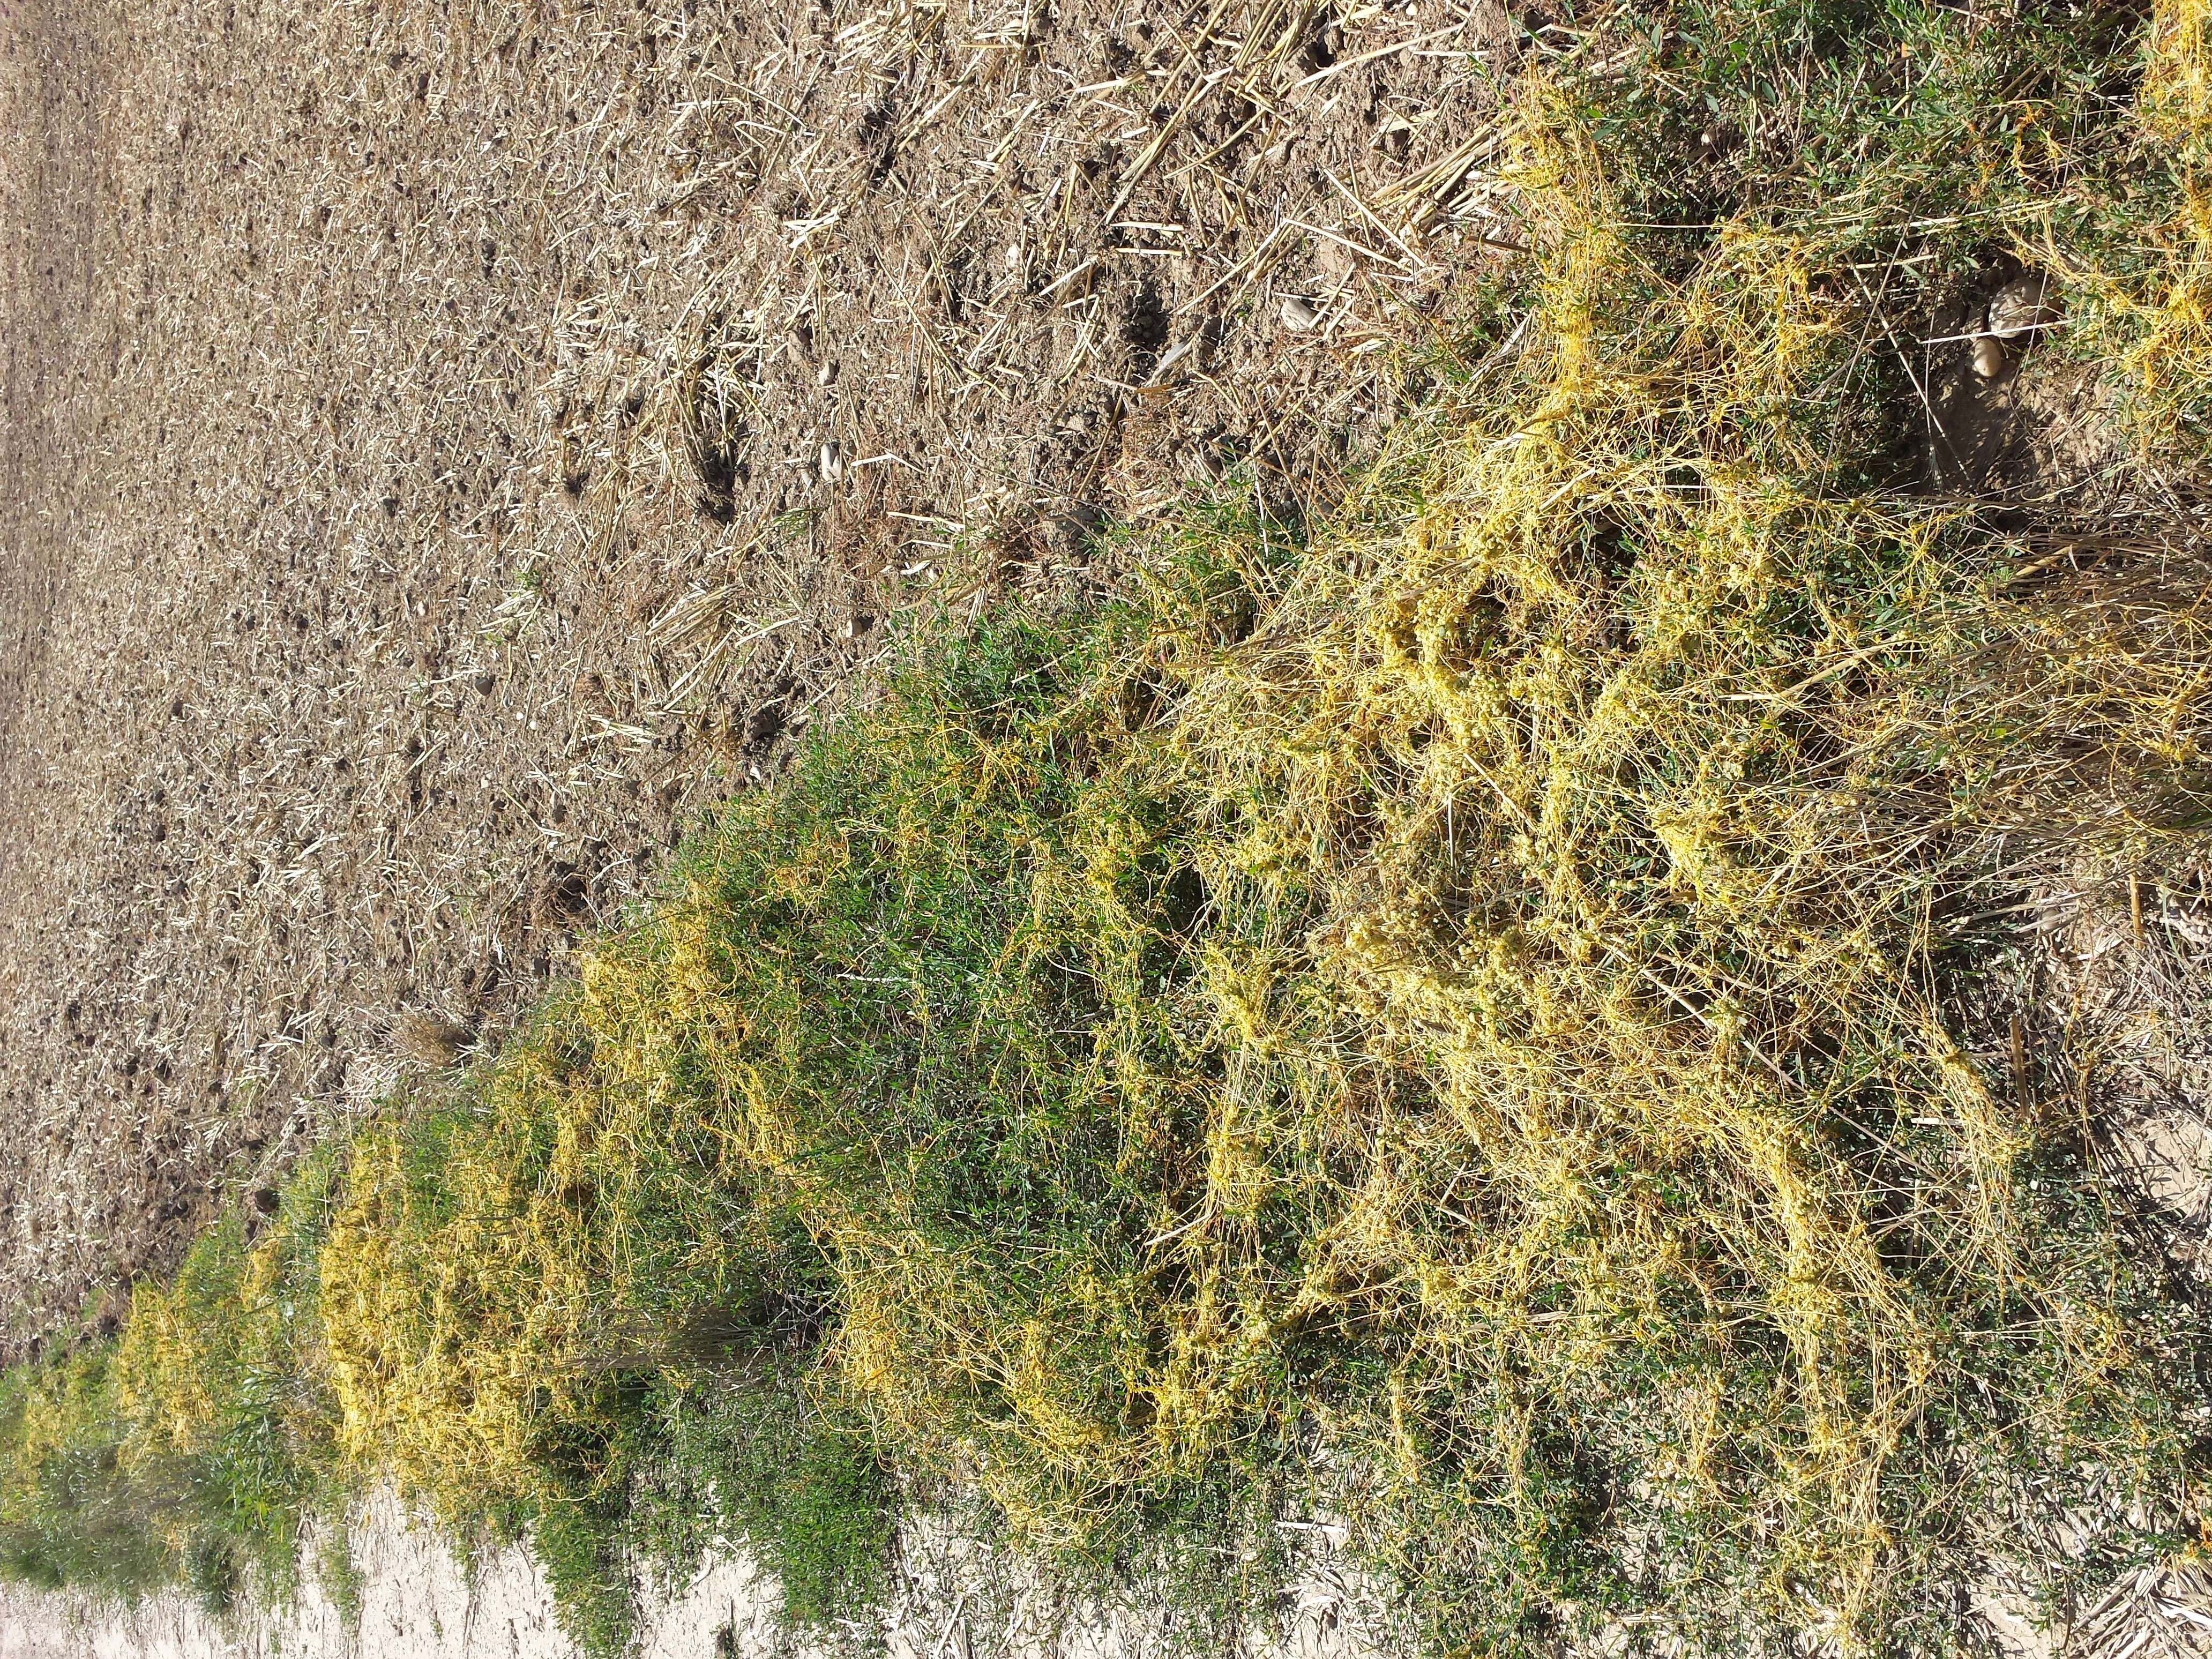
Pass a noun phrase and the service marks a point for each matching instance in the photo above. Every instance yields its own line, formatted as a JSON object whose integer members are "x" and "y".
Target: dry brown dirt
{"x": 448, "y": 446}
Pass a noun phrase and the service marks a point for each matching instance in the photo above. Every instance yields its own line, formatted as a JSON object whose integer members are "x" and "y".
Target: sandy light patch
{"x": 419, "y": 1600}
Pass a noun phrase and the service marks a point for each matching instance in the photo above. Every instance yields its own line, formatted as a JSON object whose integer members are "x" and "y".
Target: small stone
{"x": 1299, "y": 314}
{"x": 1989, "y": 358}
{"x": 832, "y": 466}
{"x": 2023, "y": 306}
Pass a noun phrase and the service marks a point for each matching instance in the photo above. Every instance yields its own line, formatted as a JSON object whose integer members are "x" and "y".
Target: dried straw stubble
{"x": 363, "y": 455}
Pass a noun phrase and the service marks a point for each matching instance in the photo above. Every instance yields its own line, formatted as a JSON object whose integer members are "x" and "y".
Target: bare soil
{"x": 449, "y": 445}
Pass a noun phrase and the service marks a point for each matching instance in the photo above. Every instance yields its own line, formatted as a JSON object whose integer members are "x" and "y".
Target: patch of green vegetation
{"x": 63, "y": 1519}
{"x": 337, "y": 1572}
{"x": 779, "y": 1467}
{"x": 194, "y": 1447}
{"x": 1445, "y": 1018}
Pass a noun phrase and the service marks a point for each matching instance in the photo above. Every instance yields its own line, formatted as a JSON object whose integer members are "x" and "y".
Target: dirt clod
{"x": 2023, "y": 306}
{"x": 428, "y": 1039}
